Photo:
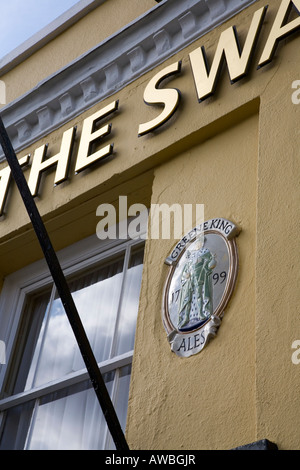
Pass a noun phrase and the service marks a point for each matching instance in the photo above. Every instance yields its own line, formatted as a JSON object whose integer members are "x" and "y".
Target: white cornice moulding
{"x": 137, "y": 48}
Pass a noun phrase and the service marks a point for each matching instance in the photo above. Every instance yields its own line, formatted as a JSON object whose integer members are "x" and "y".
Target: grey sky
{"x": 20, "y": 19}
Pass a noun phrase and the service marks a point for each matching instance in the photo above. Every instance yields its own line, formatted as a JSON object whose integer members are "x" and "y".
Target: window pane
{"x": 96, "y": 296}
{"x": 16, "y": 427}
{"x": 71, "y": 419}
{"x": 130, "y": 303}
{"x": 122, "y": 392}
{"x": 28, "y": 340}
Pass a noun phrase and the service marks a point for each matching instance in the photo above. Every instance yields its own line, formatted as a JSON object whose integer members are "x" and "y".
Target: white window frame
{"x": 17, "y": 286}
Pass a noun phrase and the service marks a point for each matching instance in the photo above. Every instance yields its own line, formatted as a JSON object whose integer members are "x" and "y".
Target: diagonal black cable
{"x": 64, "y": 293}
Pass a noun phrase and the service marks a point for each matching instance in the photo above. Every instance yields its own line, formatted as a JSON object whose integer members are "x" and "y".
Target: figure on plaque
{"x": 195, "y": 299}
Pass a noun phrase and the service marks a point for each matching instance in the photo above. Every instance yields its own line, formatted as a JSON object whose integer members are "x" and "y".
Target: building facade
{"x": 114, "y": 108}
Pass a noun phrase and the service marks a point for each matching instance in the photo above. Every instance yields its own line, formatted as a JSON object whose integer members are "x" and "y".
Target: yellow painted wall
{"x": 244, "y": 386}
{"x": 236, "y": 153}
{"x": 192, "y": 403}
{"x": 277, "y": 265}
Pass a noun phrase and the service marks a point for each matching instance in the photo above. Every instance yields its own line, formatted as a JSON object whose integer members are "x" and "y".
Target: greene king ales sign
{"x": 202, "y": 274}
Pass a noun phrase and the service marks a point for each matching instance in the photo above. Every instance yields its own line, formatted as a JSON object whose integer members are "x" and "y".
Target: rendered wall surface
{"x": 193, "y": 402}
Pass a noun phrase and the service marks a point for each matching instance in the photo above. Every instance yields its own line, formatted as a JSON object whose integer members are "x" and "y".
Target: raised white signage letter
{"x": 62, "y": 159}
{"x": 90, "y": 135}
{"x": 280, "y": 30}
{"x": 5, "y": 176}
{"x": 169, "y": 97}
{"x": 237, "y": 62}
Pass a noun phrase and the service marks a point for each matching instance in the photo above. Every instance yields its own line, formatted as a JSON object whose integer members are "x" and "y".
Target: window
{"x": 47, "y": 401}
